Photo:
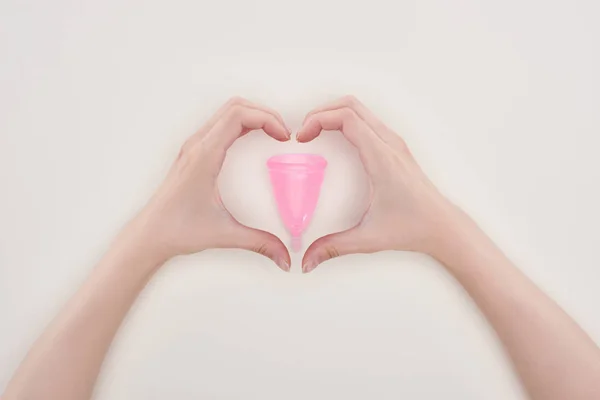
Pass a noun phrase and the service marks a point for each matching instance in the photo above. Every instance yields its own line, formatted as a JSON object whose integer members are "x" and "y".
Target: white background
{"x": 499, "y": 101}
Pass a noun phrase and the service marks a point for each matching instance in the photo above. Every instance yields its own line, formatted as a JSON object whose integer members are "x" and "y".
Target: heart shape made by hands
{"x": 246, "y": 191}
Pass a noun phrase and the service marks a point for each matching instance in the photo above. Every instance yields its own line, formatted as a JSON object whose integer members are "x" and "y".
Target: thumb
{"x": 334, "y": 245}
{"x": 261, "y": 242}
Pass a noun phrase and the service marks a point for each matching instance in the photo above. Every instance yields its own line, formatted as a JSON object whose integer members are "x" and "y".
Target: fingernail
{"x": 308, "y": 266}
{"x": 283, "y": 264}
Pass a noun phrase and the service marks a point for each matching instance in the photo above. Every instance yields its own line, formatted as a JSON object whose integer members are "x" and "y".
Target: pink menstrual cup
{"x": 296, "y": 180}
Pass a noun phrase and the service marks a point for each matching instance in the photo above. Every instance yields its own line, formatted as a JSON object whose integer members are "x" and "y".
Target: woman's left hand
{"x": 186, "y": 214}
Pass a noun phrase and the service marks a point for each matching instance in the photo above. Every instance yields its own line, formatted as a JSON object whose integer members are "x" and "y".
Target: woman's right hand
{"x": 406, "y": 211}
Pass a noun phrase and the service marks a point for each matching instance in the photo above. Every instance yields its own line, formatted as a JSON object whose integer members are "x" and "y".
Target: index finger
{"x": 239, "y": 120}
{"x": 381, "y": 129}
{"x": 356, "y": 130}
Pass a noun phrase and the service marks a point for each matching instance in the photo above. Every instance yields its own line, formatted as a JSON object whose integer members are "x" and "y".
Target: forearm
{"x": 184, "y": 216}
{"x": 65, "y": 360}
{"x": 553, "y": 356}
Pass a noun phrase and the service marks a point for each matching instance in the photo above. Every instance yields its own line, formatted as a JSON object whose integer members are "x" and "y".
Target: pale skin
{"x": 553, "y": 356}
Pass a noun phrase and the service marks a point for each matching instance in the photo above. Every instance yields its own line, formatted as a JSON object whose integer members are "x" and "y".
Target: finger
{"x": 269, "y": 110}
{"x": 260, "y": 242}
{"x": 239, "y": 120}
{"x": 337, "y": 244}
{"x": 345, "y": 120}
{"x": 382, "y": 130}
{"x": 237, "y": 101}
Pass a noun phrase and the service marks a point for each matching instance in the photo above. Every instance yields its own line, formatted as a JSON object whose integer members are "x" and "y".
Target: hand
{"x": 406, "y": 211}
{"x": 186, "y": 214}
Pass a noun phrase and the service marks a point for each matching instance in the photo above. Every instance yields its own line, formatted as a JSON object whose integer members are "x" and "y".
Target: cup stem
{"x": 296, "y": 243}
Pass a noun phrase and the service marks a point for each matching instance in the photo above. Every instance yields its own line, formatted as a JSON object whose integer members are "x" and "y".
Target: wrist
{"x": 134, "y": 246}
{"x": 455, "y": 234}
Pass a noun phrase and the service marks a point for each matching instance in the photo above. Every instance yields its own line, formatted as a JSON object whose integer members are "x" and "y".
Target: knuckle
{"x": 207, "y": 148}
{"x": 185, "y": 148}
{"x": 328, "y": 249}
{"x": 331, "y": 252}
{"x": 260, "y": 249}
{"x": 405, "y": 149}
{"x": 196, "y": 151}
{"x": 350, "y": 100}
{"x": 186, "y": 158}
{"x": 402, "y": 151}
{"x": 235, "y": 100}
{"x": 276, "y": 114}
{"x": 348, "y": 114}
{"x": 235, "y": 112}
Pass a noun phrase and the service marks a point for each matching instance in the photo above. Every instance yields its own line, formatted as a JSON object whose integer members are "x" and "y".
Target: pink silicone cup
{"x": 296, "y": 180}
